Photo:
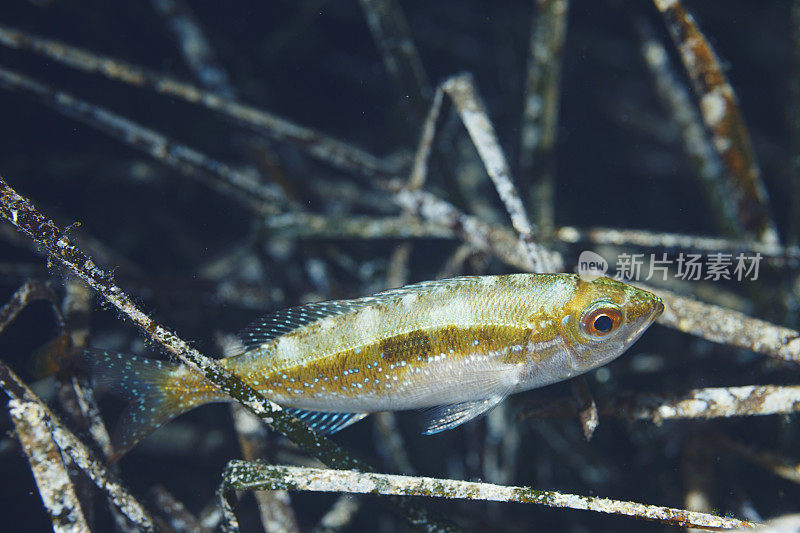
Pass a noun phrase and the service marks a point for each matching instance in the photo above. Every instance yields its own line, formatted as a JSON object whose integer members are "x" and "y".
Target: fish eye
{"x": 603, "y": 324}
{"x": 600, "y": 320}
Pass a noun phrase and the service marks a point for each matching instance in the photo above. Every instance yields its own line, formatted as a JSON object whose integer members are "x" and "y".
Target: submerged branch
{"x": 587, "y": 406}
{"x": 80, "y": 454}
{"x": 726, "y": 326}
{"x": 722, "y": 116}
{"x": 473, "y": 231}
{"x": 176, "y": 514}
{"x": 678, "y": 100}
{"x": 52, "y": 478}
{"x": 780, "y": 465}
{"x": 299, "y": 225}
{"x": 461, "y": 89}
{"x": 75, "y": 392}
{"x": 274, "y": 507}
{"x": 539, "y": 126}
{"x": 186, "y": 160}
{"x": 194, "y": 46}
{"x": 701, "y": 243}
{"x": 391, "y": 33}
{"x": 713, "y": 402}
{"x": 241, "y": 476}
{"x": 29, "y": 292}
{"x": 327, "y": 149}
{"x": 419, "y": 169}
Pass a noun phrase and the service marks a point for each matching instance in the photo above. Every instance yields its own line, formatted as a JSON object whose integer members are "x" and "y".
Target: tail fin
{"x": 157, "y": 392}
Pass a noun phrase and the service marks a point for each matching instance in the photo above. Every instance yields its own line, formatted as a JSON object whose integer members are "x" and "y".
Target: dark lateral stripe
{"x": 401, "y": 347}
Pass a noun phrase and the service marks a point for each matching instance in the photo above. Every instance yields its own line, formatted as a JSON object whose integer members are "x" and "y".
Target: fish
{"x": 454, "y": 348}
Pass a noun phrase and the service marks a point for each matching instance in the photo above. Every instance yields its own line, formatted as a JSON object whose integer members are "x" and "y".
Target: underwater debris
{"x": 241, "y": 475}
{"x": 712, "y": 402}
{"x": 78, "y": 452}
{"x": 55, "y": 488}
{"x": 538, "y": 131}
{"x": 722, "y": 116}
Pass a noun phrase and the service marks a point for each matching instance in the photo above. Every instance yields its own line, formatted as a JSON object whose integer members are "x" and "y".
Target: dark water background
{"x": 620, "y": 163}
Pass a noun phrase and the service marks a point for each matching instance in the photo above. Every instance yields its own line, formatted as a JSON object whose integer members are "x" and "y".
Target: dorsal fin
{"x": 425, "y": 286}
{"x": 281, "y": 322}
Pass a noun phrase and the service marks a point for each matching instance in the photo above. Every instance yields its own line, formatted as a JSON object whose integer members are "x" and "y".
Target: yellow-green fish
{"x": 459, "y": 345}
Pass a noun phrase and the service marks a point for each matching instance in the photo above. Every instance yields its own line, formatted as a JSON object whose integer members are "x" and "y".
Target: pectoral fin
{"x": 449, "y": 416}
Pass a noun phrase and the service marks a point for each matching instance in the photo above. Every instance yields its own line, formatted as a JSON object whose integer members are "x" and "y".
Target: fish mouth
{"x": 658, "y": 308}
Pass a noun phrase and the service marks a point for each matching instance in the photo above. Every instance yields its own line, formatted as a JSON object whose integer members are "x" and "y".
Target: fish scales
{"x": 386, "y": 351}
{"x": 459, "y": 345}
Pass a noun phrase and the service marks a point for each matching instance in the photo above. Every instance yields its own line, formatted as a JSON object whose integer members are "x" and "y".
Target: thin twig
{"x": 353, "y": 195}
{"x": 305, "y": 225}
{"x": 713, "y": 402}
{"x": 75, "y": 392}
{"x": 51, "y": 475}
{"x": 29, "y": 292}
{"x": 339, "y": 516}
{"x": 391, "y": 33}
{"x": 497, "y": 241}
{"x": 195, "y": 48}
{"x": 299, "y": 225}
{"x": 725, "y": 326}
{"x": 676, "y": 97}
{"x": 587, "y": 406}
{"x": 243, "y": 475}
{"x": 455, "y": 263}
{"x": 332, "y": 151}
{"x": 720, "y": 111}
{"x": 186, "y": 160}
{"x": 80, "y": 454}
{"x": 419, "y": 170}
{"x": 780, "y": 465}
{"x": 461, "y": 89}
{"x": 274, "y": 506}
{"x": 702, "y": 243}
{"x": 540, "y": 111}
{"x": 397, "y": 271}
{"x": 176, "y": 514}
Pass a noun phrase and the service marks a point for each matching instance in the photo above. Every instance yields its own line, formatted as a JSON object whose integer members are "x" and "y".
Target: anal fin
{"x": 449, "y": 416}
{"x": 326, "y": 423}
